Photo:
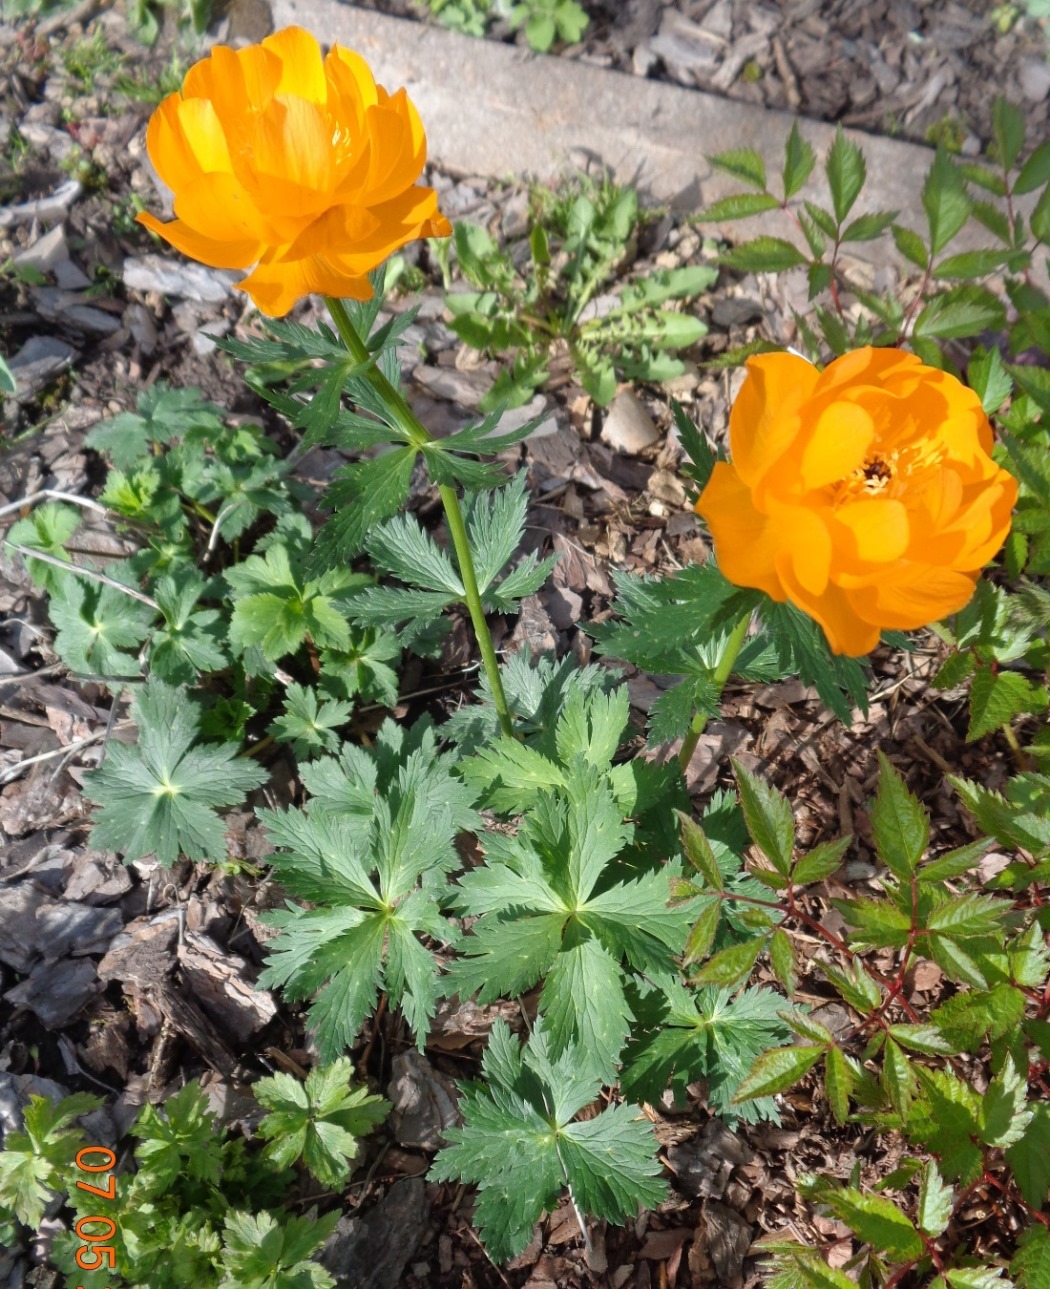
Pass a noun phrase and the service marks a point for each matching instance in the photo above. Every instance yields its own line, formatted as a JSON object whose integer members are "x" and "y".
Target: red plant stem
{"x": 791, "y": 909}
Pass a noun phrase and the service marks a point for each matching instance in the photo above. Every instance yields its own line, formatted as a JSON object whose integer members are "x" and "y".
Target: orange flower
{"x": 864, "y": 494}
{"x": 299, "y": 165}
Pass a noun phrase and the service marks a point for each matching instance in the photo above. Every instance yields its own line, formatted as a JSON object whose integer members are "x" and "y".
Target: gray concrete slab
{"x": 498, "y": 111}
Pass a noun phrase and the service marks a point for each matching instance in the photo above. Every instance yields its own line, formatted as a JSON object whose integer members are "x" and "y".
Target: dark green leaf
{"x": 911, "y": 245}
{"x": 730, "y": 966}
{"x": 962, "y": 311}
{"x": 899, "y": 824}
{"x": 740, "y": 206}
{"x": 768, "y": 818}
{"x": 846, "y": 171}
{"x": 945, "y": 201}
{"x": 763, "y": 255}
{"x": 869, "y": 226}
{"x": 1008, "y": 128}
{"x": 799, "y": 159}
{"x": 742, "y": 163}
{"x": 824, "y": 859}
{"x": 1036, "y": 170}
{"x": 777, "y": 1070}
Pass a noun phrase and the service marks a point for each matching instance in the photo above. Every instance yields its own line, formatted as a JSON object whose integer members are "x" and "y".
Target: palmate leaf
{"x": 363, "y": 667}
{"x": 277, "y": 606}
{"x": 162, "y": 414}
{"x": 545, "y": 907}
{"x": 161, "y": 796}
{"x": 521, "y": 1143}
{"x": 261, "y": 1251}
{"x": 189, "y": 643}
{"x": 682, "y": 1036}
{"x": 33, "y": 1162}
{"x": 369, "y": 857}
{"x": 320, "y": 1120}
{"x": 46, "y": 528}
{"x": 97, "y": 625}
{"x": 308, "y": 723}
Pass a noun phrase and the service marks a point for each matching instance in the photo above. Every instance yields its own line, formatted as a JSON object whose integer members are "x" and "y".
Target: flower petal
{"x": 764, "y": 421}
{"x": 837, "y": 444}
{"x": 275, "y": 287}
{"x": 302, "y": 67}
{"x": 206, "y": 250}
{"x": 745, "y": 540}
{"x": 878, "y": 528}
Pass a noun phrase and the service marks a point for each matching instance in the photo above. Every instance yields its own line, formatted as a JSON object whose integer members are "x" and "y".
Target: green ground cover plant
{"x": 543, "y": 21}
{"x": 578, "y": 244}
{"x": 663, "y": 945}
{"x": 199, "y": 1207}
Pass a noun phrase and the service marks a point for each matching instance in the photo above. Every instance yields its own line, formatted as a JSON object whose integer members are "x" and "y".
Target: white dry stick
{"x": 27, "y": 552}
{"x": 52, "y": 494}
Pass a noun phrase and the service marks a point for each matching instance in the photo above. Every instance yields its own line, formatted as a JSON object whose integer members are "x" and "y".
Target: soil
{"x": 104, "y": 317}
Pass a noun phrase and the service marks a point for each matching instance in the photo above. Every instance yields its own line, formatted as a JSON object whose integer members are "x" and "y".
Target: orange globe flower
{"x": 298, "y": 165}
{"x": 864, "y": 494}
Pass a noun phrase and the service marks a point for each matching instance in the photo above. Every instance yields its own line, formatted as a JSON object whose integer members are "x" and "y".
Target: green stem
{"x": 418, "y": 435}
{"x": 725, "y": 666}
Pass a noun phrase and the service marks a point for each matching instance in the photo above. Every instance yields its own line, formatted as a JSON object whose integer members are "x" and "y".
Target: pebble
{"x": 628, "y": 426}
{"x": 47, "y": 209}
{"x": 185, "y": 281}
{"x": 71, "y": 310}
{"x": 735, "y": 311}
{"x": 465, "y": 388}
{"x": 515, "y": 221}
{"x": 45, "y": 251}
{"x": 38, "y": 362}
{"x": 685, "y": 46}
{"x": 1034, "y": 77}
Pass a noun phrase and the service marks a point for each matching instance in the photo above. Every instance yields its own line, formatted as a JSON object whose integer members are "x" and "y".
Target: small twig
{"x": 36, "y": 862}
{"x": 69, "y": 1055}
{"x": 109, "y": 728}
{"x": 469, "y": 1230}
{"x": 52, "y": 494}
{"x": 29, "y": 676}
{"x": 79, "y": 13}
{"x": 28, "y": 553}
{"x": 213, "y": 536}
{"x": 12, "y": 772}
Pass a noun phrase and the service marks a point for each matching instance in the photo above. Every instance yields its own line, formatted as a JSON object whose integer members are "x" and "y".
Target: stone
{"x": 371, "y": 1252}
{"x": 37, "y": 363}
{"x": 565, "y": 607}
{"x": 464, "y": 388}
{"x": 514, "y": 222}
{"x": 685, "y": 46}
{"x": 69, "y": 276}
{"x": 735, "y": 311}
{"x": 1034, "y": 77}
{"x": 424, "y": 1102}
{"x": 183, "y": 279}
{"x": 56, "y": 991}
{"x": 45, "y": 252}
{"x": 47, "y": 209}
{"x": 72, "y": 310}
{"x": 628, "y": 426}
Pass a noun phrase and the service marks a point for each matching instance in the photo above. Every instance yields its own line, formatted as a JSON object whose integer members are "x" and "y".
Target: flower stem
{"x": 417, "y": 434}
{"x": 725, "y": 665}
